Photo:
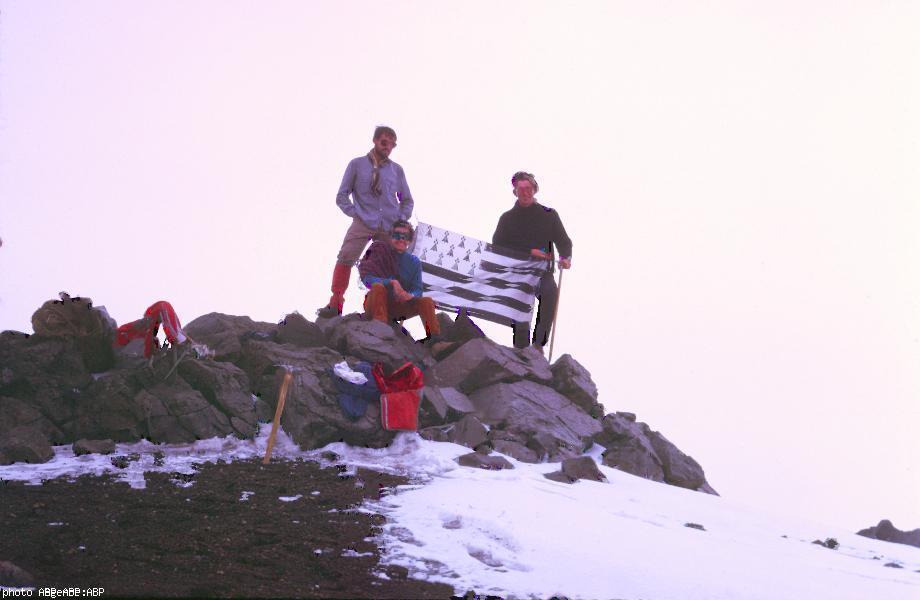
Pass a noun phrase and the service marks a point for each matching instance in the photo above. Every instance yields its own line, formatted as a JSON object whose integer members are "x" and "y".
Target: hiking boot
{"x": 327, "y": 312}
{"x": 430, "y": 341}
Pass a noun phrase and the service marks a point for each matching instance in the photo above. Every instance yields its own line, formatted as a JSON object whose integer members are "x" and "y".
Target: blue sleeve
{"x": 345, "y": 189}
{"x": 414, "y": 282}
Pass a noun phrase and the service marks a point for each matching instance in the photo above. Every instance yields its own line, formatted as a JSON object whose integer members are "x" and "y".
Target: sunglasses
{"x": 399, "y": 235}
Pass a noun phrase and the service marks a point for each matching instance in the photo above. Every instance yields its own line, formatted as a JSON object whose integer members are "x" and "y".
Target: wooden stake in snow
{"x": 282, "y": 396}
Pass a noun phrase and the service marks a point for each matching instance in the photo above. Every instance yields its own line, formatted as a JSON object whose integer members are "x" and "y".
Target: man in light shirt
{"x": 374, "y": 193}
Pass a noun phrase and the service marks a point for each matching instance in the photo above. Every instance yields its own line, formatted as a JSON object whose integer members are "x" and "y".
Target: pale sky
{"x": 740, "y": 180}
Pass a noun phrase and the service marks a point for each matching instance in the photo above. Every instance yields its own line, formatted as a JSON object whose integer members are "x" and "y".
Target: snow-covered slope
{"x": 516, "y": 534}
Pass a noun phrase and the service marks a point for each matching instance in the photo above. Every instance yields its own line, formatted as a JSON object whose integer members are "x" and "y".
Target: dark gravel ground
{"x": 173, "y": 541}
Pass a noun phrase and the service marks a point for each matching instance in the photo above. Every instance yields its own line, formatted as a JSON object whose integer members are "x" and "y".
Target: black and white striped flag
{"x": 489, "y": 282}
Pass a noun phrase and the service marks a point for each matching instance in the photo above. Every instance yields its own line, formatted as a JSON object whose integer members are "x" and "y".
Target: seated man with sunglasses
{"x": 394, "y": 278}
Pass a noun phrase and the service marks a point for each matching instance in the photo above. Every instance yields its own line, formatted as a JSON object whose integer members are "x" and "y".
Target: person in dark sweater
{"x": 531, "y": 227}
{"x": 394, "y": 278}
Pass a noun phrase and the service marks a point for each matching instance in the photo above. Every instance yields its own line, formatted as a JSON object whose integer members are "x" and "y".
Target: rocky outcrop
{"x": 223, "y": 334}
{"x": 226, "y": 387}
{"x": 887, "y": 532}
{"x": 478, "y": 393}
{"x": 443, "y": 405}
{"x": 374, "y": 342}
{"x": 176, "y": 412}
{"x": 574, "y": 382}
{"x": 551, "y": 424}
{"x": 634, "y": 448}
{"x": 454, "y": 333}
{"x": 47, "y": 396}
{"x": 679, "y": 469}
{"x": 110, "y": 408}
{"x": 481, "y": 362}
{"x": 297, "y": 330}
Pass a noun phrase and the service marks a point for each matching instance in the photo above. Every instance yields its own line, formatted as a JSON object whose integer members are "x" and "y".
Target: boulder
{"x": 16, "y": 413}
{"x": 457, "y": 402}
{"x": 573, "y": 469}
{"x": 226, "y": 387}
{"x": 108, "y": 409}
{"x": 433, "y": 402}
{"x": 631, "y": 456}
{"x": 131, "y": 355}
{"x": 628, "y": 448}
{"x": 84, "y": 446}
{"x": 375, "y": 342}
{"x": 469, "y": 432}
{"x": 549, "y": 447}
{"x": 552, "y": 424}
{"x": 91, "y": 328}
{"x": 260, "y": 358}
{"x": 634, "y": 448}
{"x": 47, "y": 373}
{"x": 513, "y": 445}
{"x": 574, "y": 382}
{"x": 679, "y": 469}
{"x": 456, "y": 331}
{"x": 175, "y": 412}
{"x": 448, "y": 404}
{"x": 297, "y": 330}
{"x": 481, "y": 362}
{"x": 463, "y": 329}
{"x": 327, "y": 324}
{"x": 887, "y": 532}
{"x": 25, "y": 444}
{"x": 223, "y": 333}
{"x": 446, "y": 323}
{"x": 483, "y": 461}
{"x": 441, "y": 349}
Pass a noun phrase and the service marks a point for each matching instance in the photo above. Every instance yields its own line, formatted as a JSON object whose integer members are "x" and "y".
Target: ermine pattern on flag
{"x": 489, "y": 282}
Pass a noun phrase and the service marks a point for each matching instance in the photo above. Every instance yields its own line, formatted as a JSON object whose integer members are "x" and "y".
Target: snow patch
{"x": 513, "y": 533}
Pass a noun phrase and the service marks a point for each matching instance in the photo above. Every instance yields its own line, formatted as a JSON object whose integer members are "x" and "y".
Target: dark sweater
{"x": 536, "y": 226}
{"x": 382, "y": 264}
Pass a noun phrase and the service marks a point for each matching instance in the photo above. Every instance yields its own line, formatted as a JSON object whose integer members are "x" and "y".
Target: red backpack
{"x": 399, "y": 396}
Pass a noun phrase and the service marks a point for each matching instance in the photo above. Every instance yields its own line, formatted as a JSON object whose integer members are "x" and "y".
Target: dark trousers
{"x": 548, "y": 294}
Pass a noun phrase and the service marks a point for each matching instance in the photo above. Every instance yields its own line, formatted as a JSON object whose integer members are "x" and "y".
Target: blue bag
{"x": 354, "y": 398}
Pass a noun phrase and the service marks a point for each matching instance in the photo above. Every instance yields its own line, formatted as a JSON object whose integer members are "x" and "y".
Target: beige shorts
{"x": 356, "y": 240}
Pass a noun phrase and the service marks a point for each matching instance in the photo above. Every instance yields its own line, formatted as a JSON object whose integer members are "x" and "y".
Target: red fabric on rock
{"x": 158, "y": 313}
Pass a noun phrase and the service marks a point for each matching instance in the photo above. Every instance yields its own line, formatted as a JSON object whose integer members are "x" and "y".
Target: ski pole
{"x": 552, "y": 338}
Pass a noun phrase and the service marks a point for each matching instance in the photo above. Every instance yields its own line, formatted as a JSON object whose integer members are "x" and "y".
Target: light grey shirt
{"x": 377, "y": 211}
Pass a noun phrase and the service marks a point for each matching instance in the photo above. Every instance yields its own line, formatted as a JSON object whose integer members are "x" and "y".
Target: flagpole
{"x": 552, "y": 338}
